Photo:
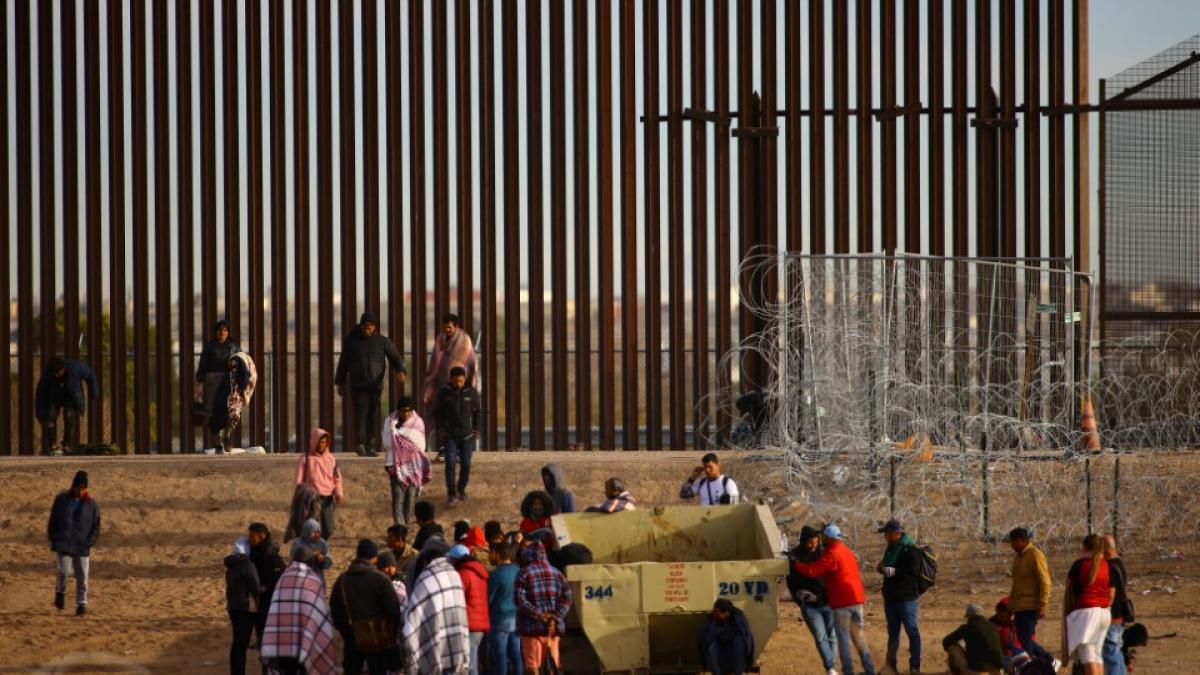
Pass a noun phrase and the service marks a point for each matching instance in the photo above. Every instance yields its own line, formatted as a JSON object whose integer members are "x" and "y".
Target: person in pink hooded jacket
{"x": 318, "y": 485}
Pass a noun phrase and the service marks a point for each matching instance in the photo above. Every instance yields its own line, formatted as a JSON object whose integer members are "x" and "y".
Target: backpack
{"x": 926, "y": 568}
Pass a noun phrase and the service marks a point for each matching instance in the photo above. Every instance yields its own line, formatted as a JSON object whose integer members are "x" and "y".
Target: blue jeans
{"x": 849, "y": 624}
{"x": 1114, "y": 660}
{"x": 504, "y": 648}
{"x": 903, "y": 614}
{"x": 476, "y": 638}
{"x": 1026, "y": 621}
{"x": 820, "y": 623}
{"x": 458, "y": 451}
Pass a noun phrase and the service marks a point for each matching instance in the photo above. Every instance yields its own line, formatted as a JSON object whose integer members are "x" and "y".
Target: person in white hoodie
{"x": 407, "y": 465}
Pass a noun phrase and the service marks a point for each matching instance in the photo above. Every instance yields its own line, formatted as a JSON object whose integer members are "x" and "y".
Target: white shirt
{"x": 710, "y": 490}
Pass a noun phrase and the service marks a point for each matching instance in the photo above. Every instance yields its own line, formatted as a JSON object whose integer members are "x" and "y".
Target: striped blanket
{"x": 298, "y": 625}
{"x": 436, "y": 638}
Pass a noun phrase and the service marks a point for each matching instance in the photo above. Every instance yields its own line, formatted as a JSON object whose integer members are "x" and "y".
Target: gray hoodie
{"x": 555, "y": 481}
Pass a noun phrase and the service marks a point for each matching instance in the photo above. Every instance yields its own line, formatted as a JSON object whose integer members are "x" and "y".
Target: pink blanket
{"x": 448, "y": 352}
{"x": 405, "y": 444}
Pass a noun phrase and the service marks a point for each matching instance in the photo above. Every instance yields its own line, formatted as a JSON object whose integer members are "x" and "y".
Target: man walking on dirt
{"x": 1030, "y": 593}
{"x": 365, "y": 357}
{"x": 901, "y": 593}
{"x": 73, "y": 530}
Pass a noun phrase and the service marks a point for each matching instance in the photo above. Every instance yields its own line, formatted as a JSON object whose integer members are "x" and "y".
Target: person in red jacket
{"x": 838, "y": 567}
{"x": 475, "y": 588}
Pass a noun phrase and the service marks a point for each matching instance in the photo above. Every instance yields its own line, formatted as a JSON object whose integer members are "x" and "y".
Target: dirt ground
{"x": 157, "y": 591}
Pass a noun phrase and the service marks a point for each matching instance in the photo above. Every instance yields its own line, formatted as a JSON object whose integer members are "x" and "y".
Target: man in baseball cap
{"x": 901, "y": 592}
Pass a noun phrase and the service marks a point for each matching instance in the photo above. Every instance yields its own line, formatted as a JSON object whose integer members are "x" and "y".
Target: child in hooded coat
{"x": 310, "y": 537}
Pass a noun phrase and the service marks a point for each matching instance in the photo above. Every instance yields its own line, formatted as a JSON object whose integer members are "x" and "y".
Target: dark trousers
{"x": 353, "y": 660}
{"x": 260, "y": 617}
{"x": 1026, "y": 622}
{"x": 243, "y": 627}
{"x": 366, "y": 416}
{"x": 458, "y": 452}
{"x": 285, "y": 666}
{"x": 726, "y": 659}
{"x": 328, "y": 516}
{"x": 70, "y": 436}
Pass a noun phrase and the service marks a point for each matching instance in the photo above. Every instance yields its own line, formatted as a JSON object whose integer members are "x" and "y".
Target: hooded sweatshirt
{"x": 808, "y": 591}
{"x": 319, "y": 470}
{"x": 475, "y": 588}
{"x": 320, "y": 545}
{"x": 555, "y": 481}
{"x": 242, "y": 587}
{"x": 531, "y": 521}
{"x": 540, "y": 588}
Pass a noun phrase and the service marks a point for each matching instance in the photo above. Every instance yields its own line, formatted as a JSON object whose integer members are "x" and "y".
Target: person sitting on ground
{"x": 264, "y": 553}
{"x": 408, "y": 467}
{"x": 982, "y": 652}
{"x": 474, "y": 580}
{"x": 543, "y": 599}
{"x": 554, "y": 479}
{"x": 318, "y": 469}
{"x": 459, "y": 418}
{"x": 361, "y": 594}
{"x": 616, "y": 498}
{"x": 425, "y": 512}
{"x": 707, "y": 482}
{"x": 397, "y": 543}
{"x": 310, "y": 537}
{"x": 503, "y": 642}
{"x": 298, "y": 638}
{"x": 726, "y": 643}
{"x": 809, "y": 593}
{"x": 242, "y": 590}
{"x": 1090, "y": 590}
{"x": 436, "y": 637}
{"x": 60, "y": 389}
{"x": 536, "y": 509}
{"x": 1010, "y": 644}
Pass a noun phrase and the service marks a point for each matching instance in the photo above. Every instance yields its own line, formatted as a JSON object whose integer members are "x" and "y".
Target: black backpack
{"x": 926, "y": 568}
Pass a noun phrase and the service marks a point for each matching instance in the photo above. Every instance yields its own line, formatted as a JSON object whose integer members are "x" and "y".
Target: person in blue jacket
{"x": 61, "y": 391}
{"x": 73, "y": 530}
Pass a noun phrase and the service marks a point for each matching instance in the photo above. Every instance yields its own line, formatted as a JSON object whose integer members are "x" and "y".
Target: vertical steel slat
{"x": 417, "y": 219}
{"x": 208, "y": 171}
{"x": 512, "y": 229}
{"x": 185, "y": 221}
{"x": 749, "y": 185}
{"x": 1081, "y": 145}
{"x": 230, "y": 28}
{"x": 937, "y": 119}
{"x": 912, "y": 129}
{"x": 675, "y": 247}
{"x": 722, "y": 207}
{"x": 816, "y": 126}
{"x": 47, "y": 259}
{"x": 700, "y": 225}
{"x": 604, "y": 224}
{"x": 770, "y": 169}
{"x": 441, "y": 163}
{"x": 24, "y": 195}
{"x": 370, "y": 154}
{"x": 1058, "y": 148}
{"x": 70, "y": 184}
{"x": 793, "y": 57}
{"x": 255, "y": 242}
{"x": 347, "y": 229}
{"x": 959, "y": 203}
{"x": 652, "y": 234}
{"x": 487, "y": 216}
{"x": 534, "y": 223}
{"x": 325, "y": 279}
{"x": 93, "y": 218}
{"x": 985, "y": 157}
{"x": 395, "y": 181}
{"x": 1008, "y": 129}
{"x": 583, "y": 232}
{"x": 116, "y": 240}
{"x": 6, "y": 446}
{"x": 462, "y": 101}
{"x": 279, "y": 230}
{"x": 866, "y": 127}
{"x": 887, "y": 116}
{"x": 558, "y": 225}
{"x": 628, "y": 117}
{"x": 140, "y": 232}
{"x": 1032, "y": 44}
{"x": 162, "y": 234}
{"x": 841, "y": 127}
{"x": 301, "y": 216}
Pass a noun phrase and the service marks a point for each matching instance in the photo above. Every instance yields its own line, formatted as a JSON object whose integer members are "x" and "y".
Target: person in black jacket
{"x": 264, "y": 553}
{"x": 61, "y": 390}
{"x": 725, "y": 642}
{"x": 242, "y": 593}
{"x": 809, "y": 594}
{"x": 458, "y": 414}
{"x": 73, "y": 530}
{"x": 365, "y": 357}
{"x": 212, "y": 371}
{"x": 363, "y": 592}
{"x": 901, "y": 592}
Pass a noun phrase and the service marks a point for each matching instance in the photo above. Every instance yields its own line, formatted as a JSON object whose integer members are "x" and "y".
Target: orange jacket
{"x": 838, "y": 566}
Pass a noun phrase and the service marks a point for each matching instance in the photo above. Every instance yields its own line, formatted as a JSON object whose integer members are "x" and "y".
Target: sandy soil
{"x": 157, "y": 602}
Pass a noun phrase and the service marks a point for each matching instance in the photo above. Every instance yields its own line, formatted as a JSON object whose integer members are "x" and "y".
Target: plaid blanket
{"x": 405, "y": 457}
{"x": 448, "y": 352}
{"x": 298, "y": 625}
{"x": 239, "y": 399}
{"x": 539, "y": 589}
{"x": 435, "y": 638}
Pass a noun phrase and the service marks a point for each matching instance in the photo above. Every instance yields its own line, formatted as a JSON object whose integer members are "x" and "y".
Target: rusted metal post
{"x": 533, "y": 226}
{"x": 303, "y": 261}
{"x": 841, "y": 127}
{"x": 140, "y": 232}
{"x": 887, "y": 117}
{"x": 70, "y": 183}
{"x": 48, "y": 202}
{"x": 280, "y": 331}
{"x": 462, "y": 104}
{"x": 254, "y": 225}
{"x": 866, "y": 127}
{"x": 347, "y": 229}
{"x": 604, "y": 225}
{"x": 629, "y": 234}
{"x": 393, "y": 15}
{"x": 325, "y": 280}
{"x": 163, "y": 225}
{"x": 560, "y": 401}
{"x": 816, "y": 125}
{"x": 652, "y": 237}
{"x": 24, "y": 174}
{"x": 441, "y": 163}
{"x": 487, "y": 215}
{"x": 793, "y": 57}
{"x": 370, "y": 154}
{"x": 700, "y": 226}
{"x": 93, "y": 218}
{"x": 723, "y": 245}
{"x": 5, "y": 287}
{"x": 583, "y": 232}
{"x": 116, "y": 218}
{"x": 185, "y": 264}
{"x": 675, "y": 245}
{"x": 512, "y": 225}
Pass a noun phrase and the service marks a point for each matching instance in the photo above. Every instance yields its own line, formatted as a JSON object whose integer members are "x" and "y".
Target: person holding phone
{"x": 707, "y": 482}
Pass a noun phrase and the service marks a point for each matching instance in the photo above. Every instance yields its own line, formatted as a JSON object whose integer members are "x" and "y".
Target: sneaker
{"x": 452, "y": 501}
{"x": 462, "y": 495}
{"x": 832, "y": 672}
{"x": 1055, "y": 664}
{"x": 80, "y": 610}
{"x": 59, "y": 602}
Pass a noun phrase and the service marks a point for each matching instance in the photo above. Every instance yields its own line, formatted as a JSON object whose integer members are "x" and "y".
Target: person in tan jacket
{"x": 1030, "y": 592}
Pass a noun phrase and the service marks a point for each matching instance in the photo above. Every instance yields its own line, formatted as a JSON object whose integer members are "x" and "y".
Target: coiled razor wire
{"x": 952, "y": 393}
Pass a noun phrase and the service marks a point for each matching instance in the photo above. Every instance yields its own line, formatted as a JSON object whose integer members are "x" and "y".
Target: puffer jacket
{"x": 475, "y": 588}
{"x": 838, "y": 566}
{"x": 364, "y": 360}
{"x": 1030, "y": 581}
{"x": 74, "y": 527}
{"x": 49, "y": 386}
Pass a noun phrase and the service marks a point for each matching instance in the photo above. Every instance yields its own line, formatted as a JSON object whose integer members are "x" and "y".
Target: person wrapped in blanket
{"x": 298, "y": 637}
{"x": 231, "y": 397}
